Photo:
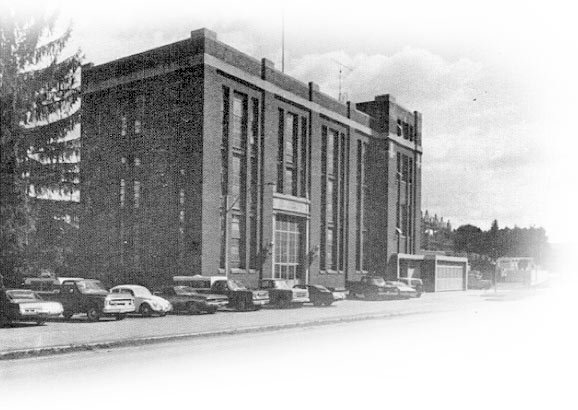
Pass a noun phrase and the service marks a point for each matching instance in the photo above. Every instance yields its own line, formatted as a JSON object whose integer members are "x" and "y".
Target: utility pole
{"x": 341, "y": 67}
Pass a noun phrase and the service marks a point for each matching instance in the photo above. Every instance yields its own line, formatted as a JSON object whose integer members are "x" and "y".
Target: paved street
{"x": 80, "y": 331}
{"x": 502, "y": 353}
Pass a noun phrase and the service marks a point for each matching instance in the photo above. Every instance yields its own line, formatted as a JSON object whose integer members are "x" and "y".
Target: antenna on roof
{"x": 283, "y": 39}
{"x": 341, "y": 67}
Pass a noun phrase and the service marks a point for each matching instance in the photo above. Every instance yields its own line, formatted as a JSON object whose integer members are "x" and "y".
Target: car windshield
{"x": 234, "y": 285}
{"x": 21, "y": 294}
{"x": 88, "y": 286}
{"x": 184, "y": 290}
{"x": 377, "y": 281}
{"x": 276, "y": 284}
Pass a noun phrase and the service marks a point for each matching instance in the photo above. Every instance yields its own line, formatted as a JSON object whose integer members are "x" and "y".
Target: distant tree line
{"x": 496, "y": 242}
{"x": 489, "y": 245}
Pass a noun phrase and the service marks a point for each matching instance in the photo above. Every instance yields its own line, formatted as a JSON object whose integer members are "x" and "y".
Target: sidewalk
{"x": 79, "y": 335}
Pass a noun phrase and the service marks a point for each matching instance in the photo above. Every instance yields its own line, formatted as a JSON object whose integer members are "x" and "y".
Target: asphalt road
{"x": 516, "y": 351}
{"x": 80, "y": 331}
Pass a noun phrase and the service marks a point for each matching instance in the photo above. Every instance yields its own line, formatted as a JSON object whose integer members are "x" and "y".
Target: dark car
{"x": 321, "y": 296}
{"x": 372, "y": 288}
{"x": 240, "y": 297}
{"x": 89, "y": 296}
{"x": 187, "y": 299}
{"x": 23, "y": 305}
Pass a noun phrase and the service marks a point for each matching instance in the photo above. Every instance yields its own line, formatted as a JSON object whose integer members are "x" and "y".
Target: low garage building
{"x": 439, "y": 273}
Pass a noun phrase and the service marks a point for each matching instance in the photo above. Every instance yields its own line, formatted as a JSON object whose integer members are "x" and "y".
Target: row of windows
{"x": 406, "y": 130}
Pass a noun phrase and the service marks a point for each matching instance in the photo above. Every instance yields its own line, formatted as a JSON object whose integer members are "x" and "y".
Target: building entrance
{"x": 289, "y": 247}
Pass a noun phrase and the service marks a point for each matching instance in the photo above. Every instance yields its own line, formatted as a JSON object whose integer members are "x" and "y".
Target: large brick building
{"x": 197, "y": 158}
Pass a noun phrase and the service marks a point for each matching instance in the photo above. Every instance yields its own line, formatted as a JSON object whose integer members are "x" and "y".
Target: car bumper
{"x": 300, "y": 300}
{"x": 216, "y": 304}
{"x": 260, "y": 302}
{"x": 117, "y": 310}
{"x": 33, "y": 316}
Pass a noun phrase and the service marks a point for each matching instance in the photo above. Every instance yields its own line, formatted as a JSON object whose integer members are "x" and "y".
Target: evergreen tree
{"x": 39, "y": 94}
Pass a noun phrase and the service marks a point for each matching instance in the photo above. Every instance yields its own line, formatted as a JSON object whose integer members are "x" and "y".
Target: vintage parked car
{"x": 282, "y": 295}
{"x": 145, "y": 303}
{"x": 415, "y": 283}
{"x": 91, "y": 297}
{"x": 187, "y": 299}
{"x": 321, "y": 296}
{"x": 240, "y": 298}
{"x": 372, "y": 288}
{"x": 23, "y": 305}
{"x": 403, "y": 291}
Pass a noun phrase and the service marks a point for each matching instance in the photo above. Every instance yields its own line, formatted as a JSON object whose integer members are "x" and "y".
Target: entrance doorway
{"x": 289, "y": 247}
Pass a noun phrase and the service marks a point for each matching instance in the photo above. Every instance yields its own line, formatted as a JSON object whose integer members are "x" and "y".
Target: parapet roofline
{"x": 204, "y": 33}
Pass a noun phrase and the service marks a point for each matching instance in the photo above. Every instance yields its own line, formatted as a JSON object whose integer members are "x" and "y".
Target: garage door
{"x": 449, "y": 277}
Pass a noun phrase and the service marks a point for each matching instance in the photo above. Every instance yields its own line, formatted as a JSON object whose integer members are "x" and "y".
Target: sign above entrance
{"x": 290, "y": 205}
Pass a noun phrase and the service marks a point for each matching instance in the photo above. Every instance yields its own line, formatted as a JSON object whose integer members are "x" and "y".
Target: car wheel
{"x": 121, "y": 316}
{"x": 192, "y": 309}
{"x": 212, "y": 310}
{"x": 328, "y": 303}
{"x": 242, "y": 305}
{"x": 4, "y": 322}
{"x": 93, "y": 314}
{"x": 40, "y": 322}
{"x": 162, "y": 314}
{"x": 145, "y": 310}
{"x": 284, "y": 303}
{"x": 317, "y": 302}
{"x": 68, "y": 314}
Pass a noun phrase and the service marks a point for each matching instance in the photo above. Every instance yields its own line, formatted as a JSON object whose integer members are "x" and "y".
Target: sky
{"x": 495, "y": 81}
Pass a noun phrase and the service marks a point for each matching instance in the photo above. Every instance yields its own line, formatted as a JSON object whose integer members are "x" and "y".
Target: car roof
{"x": 129, "y": 287}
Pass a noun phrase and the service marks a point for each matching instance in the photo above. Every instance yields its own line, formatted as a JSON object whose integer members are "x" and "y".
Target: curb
{"x": 72, "y": 348}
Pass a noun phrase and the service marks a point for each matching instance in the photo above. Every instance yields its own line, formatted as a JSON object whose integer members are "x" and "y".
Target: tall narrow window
{"x": 237, "y": 121}
{"x": 224, "y": 173}
{"x": 123, "y": 125}
{"x": 139, "y": 113}
{"x": 235, "y": 251}
{"x": 236, "y": 180}
{"x": 122, "y": 193}
{"x": 137, "y": 194}
{"x": 304, "y": 160}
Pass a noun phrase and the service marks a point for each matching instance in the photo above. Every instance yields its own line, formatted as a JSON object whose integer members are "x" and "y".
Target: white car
{"x": 145, "y": 302}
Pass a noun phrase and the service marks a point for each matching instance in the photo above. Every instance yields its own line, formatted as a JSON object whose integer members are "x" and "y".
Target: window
{"x": 238, "y": 120}
{"x": 330, "y": 261}
{"x": 236, "y": 179}
{"x": 122, "y": 194}
{"x": 329, "y": 206}
{"x": 139, "y": 113}
{"x": 137, "y": 194}
{"x": 235, "y": 251}
{"x": 123, "y": 125}
{"x": 290, "y": 138}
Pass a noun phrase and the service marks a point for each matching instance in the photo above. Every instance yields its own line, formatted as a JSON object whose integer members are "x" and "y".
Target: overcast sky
{"x": 495, "y": 81}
